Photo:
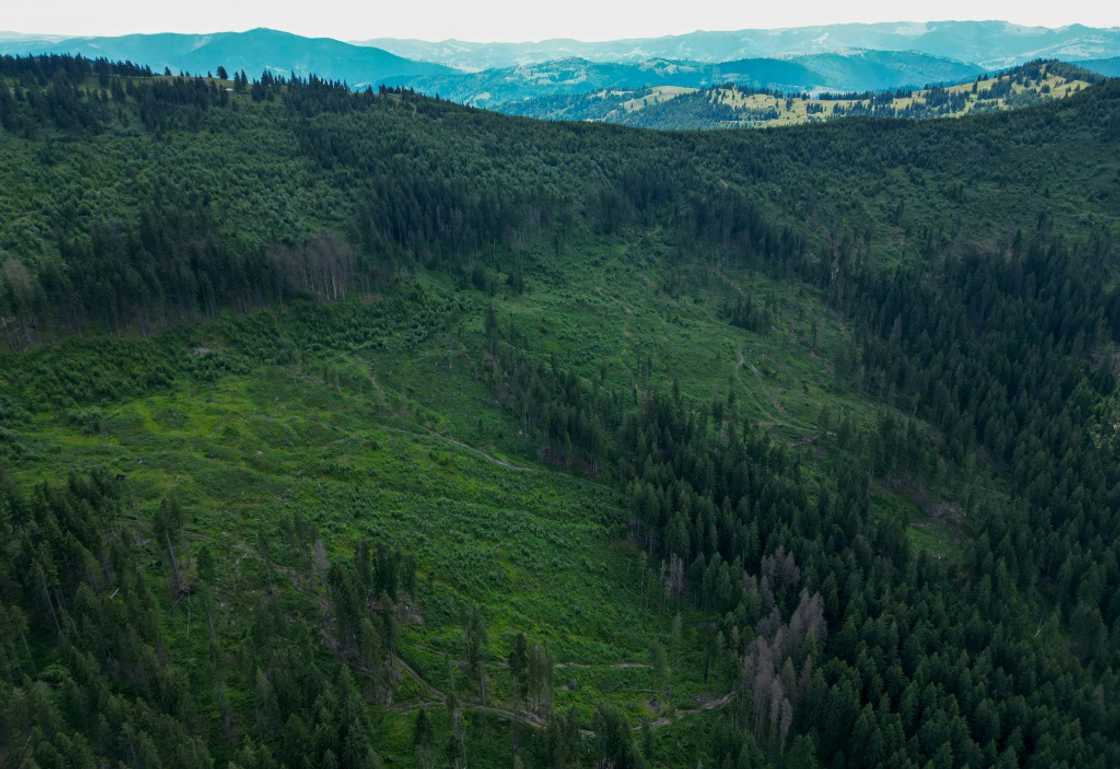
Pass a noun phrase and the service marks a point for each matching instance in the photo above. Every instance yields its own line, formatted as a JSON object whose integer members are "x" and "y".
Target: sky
{"x": 514, "y": 20}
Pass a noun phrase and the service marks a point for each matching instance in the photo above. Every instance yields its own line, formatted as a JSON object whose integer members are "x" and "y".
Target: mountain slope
{"x": 493, "y": 88}
{"x": 990, "y": 44}
{"x": 733, "y": 105}
{"x": 1106, "y": 67}
{"x": 880, "y": 70}
{"x": 859, "y": 71}
{"x": 255, "y": 51}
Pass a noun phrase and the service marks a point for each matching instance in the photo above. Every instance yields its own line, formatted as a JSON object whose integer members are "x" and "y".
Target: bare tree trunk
{"x": 50, "y": 605}
{"x": 176, "y": 577}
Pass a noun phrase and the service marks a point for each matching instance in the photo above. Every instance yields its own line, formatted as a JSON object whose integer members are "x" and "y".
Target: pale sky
{"x": 488, "y": 20}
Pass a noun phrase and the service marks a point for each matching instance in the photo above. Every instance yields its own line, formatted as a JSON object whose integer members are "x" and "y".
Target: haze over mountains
{"x": 509, "y": 76}
{"x": 1106, "y": 67}
{"x": 989, "y": 44}
{"x": 254, "y": 51}
{"x": 858, "y": 71}
{"x": 843, "y": 57}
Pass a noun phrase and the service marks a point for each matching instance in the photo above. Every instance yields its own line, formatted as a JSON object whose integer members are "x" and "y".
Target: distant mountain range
{"x": 849, "y": 57}
{"x": 989, "y": 44}
{"x": 255, "y": 51}
{"x": 856, "y": 71}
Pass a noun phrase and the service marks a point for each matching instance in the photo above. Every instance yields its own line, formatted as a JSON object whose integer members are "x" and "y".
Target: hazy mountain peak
{"x": 254, "y": 51}
{"x": 990, "y": 44}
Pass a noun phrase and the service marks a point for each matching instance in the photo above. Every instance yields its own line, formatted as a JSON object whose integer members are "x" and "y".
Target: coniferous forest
{"x": 354, "y": 429}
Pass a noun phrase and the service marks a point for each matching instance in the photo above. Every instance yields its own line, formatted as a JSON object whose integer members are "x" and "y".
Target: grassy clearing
{"x": 622, "y": 315}
{"x": 538, "y": 549}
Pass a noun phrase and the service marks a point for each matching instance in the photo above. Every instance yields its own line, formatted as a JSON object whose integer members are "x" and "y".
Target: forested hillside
{"x": 255, "y": 50}
{"x": 738, "y": 105}
{"x": 364, "y": 429}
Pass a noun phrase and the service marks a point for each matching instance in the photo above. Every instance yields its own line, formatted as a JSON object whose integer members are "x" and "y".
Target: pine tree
{"x": 422, "y": 739}
{"x": 519, "y": 664}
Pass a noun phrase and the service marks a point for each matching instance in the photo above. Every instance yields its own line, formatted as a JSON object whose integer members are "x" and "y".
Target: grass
{"x": 797, "y": 110}
{"x": 538, "y": 549}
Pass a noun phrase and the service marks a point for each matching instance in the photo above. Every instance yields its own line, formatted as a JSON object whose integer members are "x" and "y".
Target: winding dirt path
{"x": 605, "y": 665}
{"x": 715, "y": 704}
{"x": 534, "y": 721}
{"x": 429, "y": 433}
